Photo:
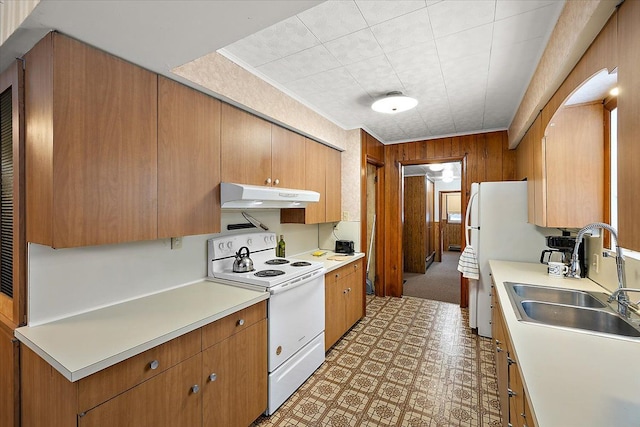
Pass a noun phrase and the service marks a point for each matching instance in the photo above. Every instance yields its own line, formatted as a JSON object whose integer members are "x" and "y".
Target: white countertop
{"x": 81, "y": 345}
{"x": 573, "y": 378}
{"x": 330, "y": 265}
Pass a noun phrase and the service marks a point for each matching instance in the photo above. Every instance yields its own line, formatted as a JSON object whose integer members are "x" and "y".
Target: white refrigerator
{"x": 497, "y": 223}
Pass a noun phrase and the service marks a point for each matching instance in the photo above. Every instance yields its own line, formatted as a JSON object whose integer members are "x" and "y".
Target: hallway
{"x": 441, "y": 282}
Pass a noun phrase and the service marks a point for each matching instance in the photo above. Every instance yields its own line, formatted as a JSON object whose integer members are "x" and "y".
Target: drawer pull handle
{"x": 195, "y": 389}
{"x": 241, "y": 322}
{"x": 154, "y": 364}
{"x": 511, "y": 393}
{"x": 213, "y": 377}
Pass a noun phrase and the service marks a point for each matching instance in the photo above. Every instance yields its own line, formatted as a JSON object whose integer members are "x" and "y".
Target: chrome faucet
{"x": 620, "y": 294}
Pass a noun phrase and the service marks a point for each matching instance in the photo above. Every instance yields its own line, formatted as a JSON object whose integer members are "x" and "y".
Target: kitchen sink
{"x": 580, "y": 318}
{"x": 570, "y": 308}
{"x": 557, "y": 295}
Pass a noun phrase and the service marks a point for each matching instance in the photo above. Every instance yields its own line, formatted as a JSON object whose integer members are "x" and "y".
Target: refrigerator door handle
{"x": 468, "y": 227}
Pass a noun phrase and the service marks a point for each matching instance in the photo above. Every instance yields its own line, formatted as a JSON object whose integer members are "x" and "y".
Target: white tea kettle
{"x": 243, "y": 264}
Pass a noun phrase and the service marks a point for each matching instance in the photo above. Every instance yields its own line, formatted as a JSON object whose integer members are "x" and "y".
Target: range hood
{"x": 242, "y": 196}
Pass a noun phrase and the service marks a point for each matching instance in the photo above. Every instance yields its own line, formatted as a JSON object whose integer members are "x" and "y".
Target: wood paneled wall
{"x": 485, "y": 157}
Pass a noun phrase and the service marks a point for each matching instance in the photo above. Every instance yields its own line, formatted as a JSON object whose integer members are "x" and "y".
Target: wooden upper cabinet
{"x": 91, "y": 146}
{"x": 573, "y": 168}
{"x": 322, "y": 174}
{"x": 333, "y": 185}
{"x": 315, "y": 180}
{"x": 287, "y": 158}
{"x": 628, "y": 125}
{"x": 245, "y": 147}
{"x": 188, "y": 161}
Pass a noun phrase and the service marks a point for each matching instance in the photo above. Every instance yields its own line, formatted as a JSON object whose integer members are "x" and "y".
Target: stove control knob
{"x": 272, "y": 238}
{"x": 229, "y": 245}
{"x": 249, "y": 242}
{"x": 221, "y": 246}
{"x": 266, "y": 239}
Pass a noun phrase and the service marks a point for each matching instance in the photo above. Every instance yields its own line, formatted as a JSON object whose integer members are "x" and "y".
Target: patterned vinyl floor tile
{"x": 410, "y": 362}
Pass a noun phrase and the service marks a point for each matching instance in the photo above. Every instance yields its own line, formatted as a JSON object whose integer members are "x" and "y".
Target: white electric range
{"x": 295, "y": 309}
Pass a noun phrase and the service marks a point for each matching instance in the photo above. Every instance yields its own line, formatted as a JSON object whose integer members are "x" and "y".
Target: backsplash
{"x": 606, "y": 275}
{"x": 65, "y": 282}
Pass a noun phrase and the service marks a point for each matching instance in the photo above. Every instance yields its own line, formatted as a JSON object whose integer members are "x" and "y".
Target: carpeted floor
{"x": 441, "y": 282}
{"x": 410, "y": 362}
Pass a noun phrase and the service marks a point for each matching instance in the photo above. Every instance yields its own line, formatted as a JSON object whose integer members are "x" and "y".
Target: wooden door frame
{"x": 464, "y": 285}
{"x": 379, "y": 237}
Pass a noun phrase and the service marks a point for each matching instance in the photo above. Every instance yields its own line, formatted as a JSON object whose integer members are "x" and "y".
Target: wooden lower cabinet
{"x": 171, "y": 399}
{"x": 178, "y": 383}
{"x": 514, "y": 405}
{"x": 344, "y": 301}
{"x": 9, "y": 378}
{"x": 234, "y": 379}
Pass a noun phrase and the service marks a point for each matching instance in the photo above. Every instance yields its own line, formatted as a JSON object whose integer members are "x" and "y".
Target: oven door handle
{"x": 298, "y": 282}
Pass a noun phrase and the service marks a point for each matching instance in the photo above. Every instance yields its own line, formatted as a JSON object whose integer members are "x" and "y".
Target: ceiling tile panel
{"x": 376, "y": 12}
{"x": 449, "y": 17}
{"x": 375, "y": 75}
{"x": 277, "y": 41}
{"x": 302, "y": 64}
{"x": 327, "y": 81}
{"x": 404, "y": 31}
{"x": 507, "y": 8}
{"x": 355, "y": 47}
{"x": 333, "y": 19}
{"x": 525, "y": 26}
{"x": 465, "y": 43}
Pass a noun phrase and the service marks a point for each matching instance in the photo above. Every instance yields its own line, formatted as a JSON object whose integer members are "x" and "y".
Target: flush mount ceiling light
{"x": 436, "y": 167}
{"x": 394, "y": 102}
{"x": 614, "y": 92}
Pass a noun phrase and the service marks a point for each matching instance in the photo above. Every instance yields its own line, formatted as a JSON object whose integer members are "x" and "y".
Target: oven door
{"x": 296, "y": 316}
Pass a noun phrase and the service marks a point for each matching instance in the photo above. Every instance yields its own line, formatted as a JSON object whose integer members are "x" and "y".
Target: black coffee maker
{"x": 562, "y": 247}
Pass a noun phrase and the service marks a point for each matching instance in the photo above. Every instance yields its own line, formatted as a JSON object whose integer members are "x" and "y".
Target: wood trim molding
{"x": 13, "y": 77}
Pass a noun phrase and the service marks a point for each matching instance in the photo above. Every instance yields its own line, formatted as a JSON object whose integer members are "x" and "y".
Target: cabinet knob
{"x": 276, "y": 182}
{"x": 498, "y": 349}
{"x": 498, "y": 342}
{"x": 511, "y": 361}
{"x": 154, "y": 364}
{"x": 268, "y": 181}
{"x": 348, "y": 289}
{"x": 511, "y": 393}
{"x": 213, "y": 377}
{"x": 195, "y": 389}
{"x": 344, "y": 292}
{"x": 240, "y": 322}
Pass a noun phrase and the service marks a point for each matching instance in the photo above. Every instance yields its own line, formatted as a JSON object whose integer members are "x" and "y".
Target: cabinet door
{"x": 287, "y": 158}
{"x": 188, "y": 161}
{"x": 334, "y": 309}
{"x": 245, "y": 147}
{"x": 9, "y": 379}
{"x": 91, "y": 143}
{"x": 355, "y": 294}
{"x": 235, "y": 378}
{"x": 316, "y": 160}
{"x": 574, "y": 189}
{"x": 333, "y": 185}
{"x": 628, "y": 125}
{"x": 171, "y": 399}
{"x": 502, "y": 367}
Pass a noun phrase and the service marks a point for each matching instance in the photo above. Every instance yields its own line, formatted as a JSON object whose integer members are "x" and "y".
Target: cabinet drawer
{"x": 346, "y": 270}
{"x": 233, "y": 323}
{"x": 105, "y": 384}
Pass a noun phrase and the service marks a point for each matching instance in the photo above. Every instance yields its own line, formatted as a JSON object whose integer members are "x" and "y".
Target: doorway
{"x": 374, "y": 217}
{"x": 432, "y": 230}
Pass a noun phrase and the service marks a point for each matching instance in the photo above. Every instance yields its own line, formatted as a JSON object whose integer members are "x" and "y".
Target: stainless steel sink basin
{"x": 580, "y": 318}
{"x": 557, "y": 295}
{"x": 570, "y": 308}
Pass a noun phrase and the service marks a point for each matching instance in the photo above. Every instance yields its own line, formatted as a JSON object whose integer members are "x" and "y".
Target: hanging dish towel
{"x": 468, "y": 264}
